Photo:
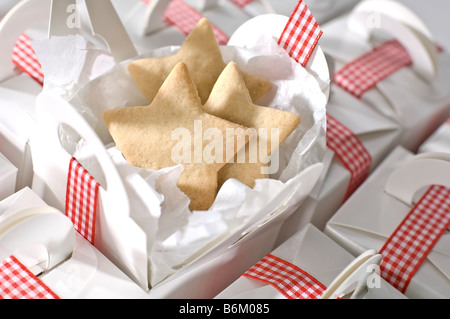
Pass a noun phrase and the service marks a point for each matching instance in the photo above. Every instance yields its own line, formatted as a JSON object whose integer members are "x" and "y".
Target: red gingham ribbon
{"x": 364, "y": 73}
{"x": 290, "y": 280}
{"x": 17, "y": 282}
{"x": 409, "y": 245}
{"x": 185, "y": 18}
{"x": 26, "y": 60}
{"x": 301, "y": 34}
{"x": 81, "y": 200}
{"x": 241, "y": 3}
{"x": 350, "y": 151}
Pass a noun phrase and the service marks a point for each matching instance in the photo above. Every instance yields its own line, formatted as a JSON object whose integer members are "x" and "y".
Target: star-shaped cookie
{"x": 201, "y": 53}
{"x": 231, "y": 100}
{"x": 174, "y": 129}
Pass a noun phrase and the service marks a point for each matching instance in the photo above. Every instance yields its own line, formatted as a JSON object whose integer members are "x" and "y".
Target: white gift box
{"x": 148, "y": 28}
{"x": 75, "y": 268}
{"x": 239, "y": 245}
{"x": 319, "y": 256}
{"x": 369, "y": 218}
{"x": 236, "y": 251}
{"x": 416, "y": 97}
{"x": 433, "y": 14}
{"x": 8, "y": 177}
{"x": 18, "y": 91}
{"x": 378, "y": 135}
{"x": 380, "y": 120}
{"x": 439, "y": 141}
{"x": 16, "y": 126}
{"x": 323, "y": 10}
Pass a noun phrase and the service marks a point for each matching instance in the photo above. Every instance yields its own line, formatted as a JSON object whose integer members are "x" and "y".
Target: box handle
{"x": 401, "y": 23}
{"x": 42, "y": 247}
{"x": 104, "y": 23}
{"x": 416, "y": 173}
{"x": 154, "y": 16}
{"x": 52, "y": 111}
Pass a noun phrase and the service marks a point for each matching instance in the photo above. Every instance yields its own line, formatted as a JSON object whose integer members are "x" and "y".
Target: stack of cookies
{"x": 201, "y": 114}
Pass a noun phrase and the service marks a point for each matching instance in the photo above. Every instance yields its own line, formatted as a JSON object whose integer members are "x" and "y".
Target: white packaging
{"x": 369, "y": 218}
{"x": 8, "y": 177}
{"x": 77, "y": 270}
{"x": 233, "y": 233}
{"x": 402, "y": 109}
{"x": 316, "y": 254}
{"x": 439, "y": 141}
{"x": 18, "y": 91}
{"x": 416, "y": 97}
{"x": 378, "y": 135}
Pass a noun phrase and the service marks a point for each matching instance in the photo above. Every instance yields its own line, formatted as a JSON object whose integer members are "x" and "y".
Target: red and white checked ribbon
{"x": 350, "y": 151}
{"x": 409, "y": 245}
{"x": 364, "y": 73}
{"x": 17, "y": 282}
{"x": 301, "y": 34}
{"x": 290, "y": 280}
{"x": 81, "y": 200}
{"x": 26, "y": 60}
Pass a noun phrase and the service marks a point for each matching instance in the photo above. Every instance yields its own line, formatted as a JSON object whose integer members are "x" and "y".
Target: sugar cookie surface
{"x": 231, "y": 100}
{"x": 144, "y": 135}
{"x": 201, "y": 53}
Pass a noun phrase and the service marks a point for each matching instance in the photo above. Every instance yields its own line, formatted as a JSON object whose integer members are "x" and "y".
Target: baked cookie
{"x": 231, "y": 100}
{"x": 166, "y": 133}
{"x": 201, "y": 53}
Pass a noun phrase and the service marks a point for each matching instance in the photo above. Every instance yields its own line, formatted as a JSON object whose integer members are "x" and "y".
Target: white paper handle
{"x": 39, "y": 235}
{"x": 401, "y": 23}
{"x": 52, "y": 112}
{"x": 353, "y": 279}
{"x": 117, "y": 235}
{"x": 25, "y": 14}
{"x": 104, "y": 23}
{"x": 418, "y": 172}
{"x": 154, "y": 16}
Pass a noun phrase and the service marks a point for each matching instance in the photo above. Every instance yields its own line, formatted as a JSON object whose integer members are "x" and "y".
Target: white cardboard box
{"x": 16, "y": 126}
{"x": 439, "y": 141}
{"x": 8, "y": 177}
{"x": 378, "y": 135}
{"x": 315, "y": 253}
{"x": 86, "y": 273}
{"x": 419, "y": 106}
{"x": 368, "y": 219}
